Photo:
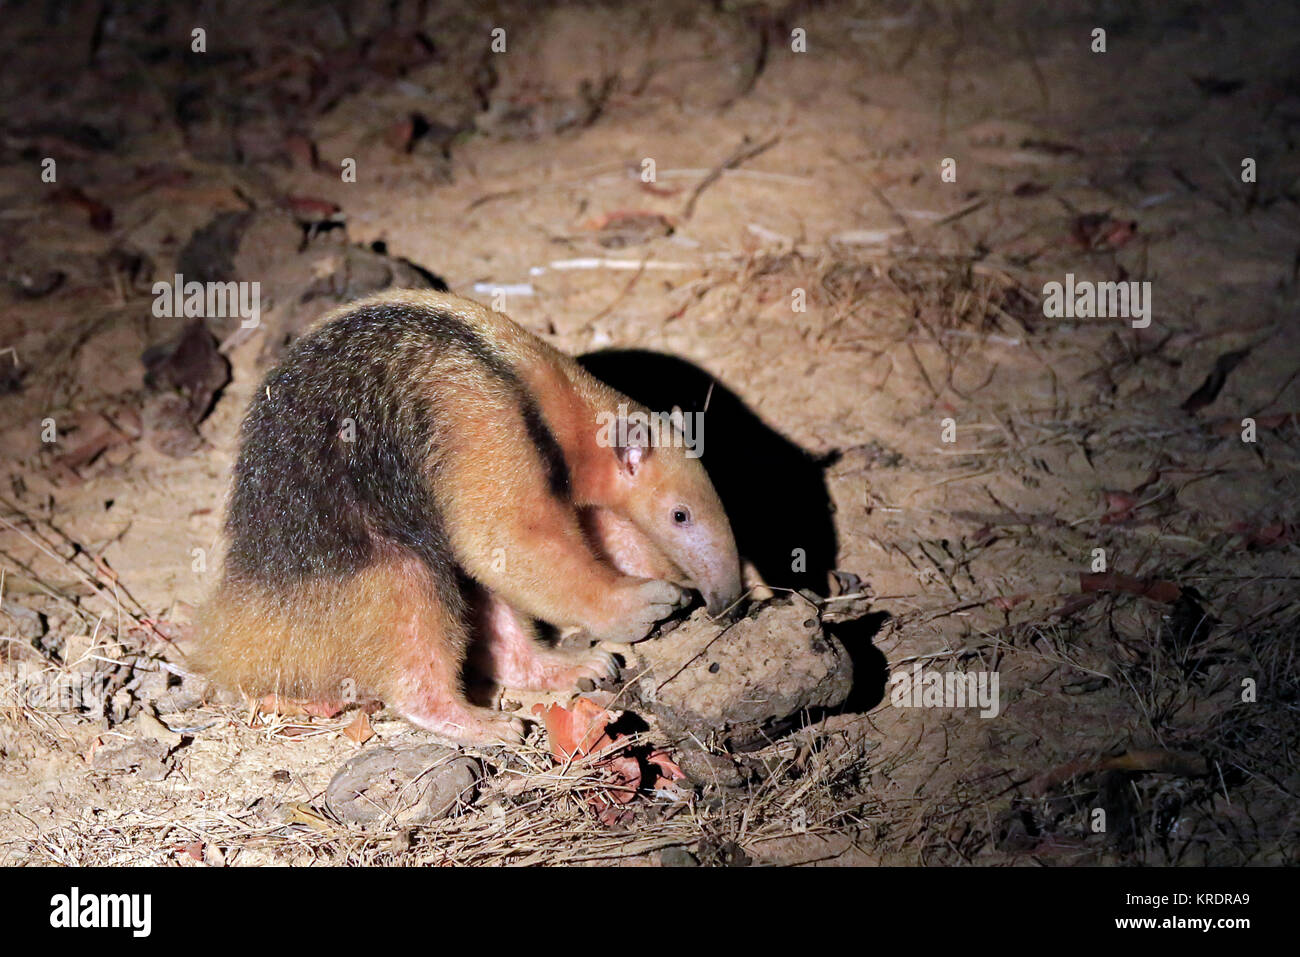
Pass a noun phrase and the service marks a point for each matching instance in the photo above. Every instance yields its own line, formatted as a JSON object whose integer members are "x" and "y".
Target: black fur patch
{"x": 308, "y": 504}
{"x": 557, "y": 470}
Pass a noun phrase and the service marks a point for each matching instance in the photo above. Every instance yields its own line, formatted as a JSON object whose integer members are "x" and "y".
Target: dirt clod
{"x": 740, "y": 679}
{"x": 405, "y": 786}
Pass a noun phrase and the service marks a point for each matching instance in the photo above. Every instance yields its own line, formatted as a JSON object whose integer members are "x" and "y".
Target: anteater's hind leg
{"x": 428, "y": 653}
{"x": 507, "y": 647}
{"x": 383, "y": 630}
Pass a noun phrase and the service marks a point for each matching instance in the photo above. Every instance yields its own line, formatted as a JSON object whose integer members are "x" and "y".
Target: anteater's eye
{"x": 682, "y": 515}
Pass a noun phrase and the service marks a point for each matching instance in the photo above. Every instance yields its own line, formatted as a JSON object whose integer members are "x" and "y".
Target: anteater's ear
{"x": 635, "y": 448}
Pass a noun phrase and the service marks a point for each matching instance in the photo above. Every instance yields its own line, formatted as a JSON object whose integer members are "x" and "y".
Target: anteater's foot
{"x": 516, "y": 659}
{"x": 466, "y": 724}
{"x": 551, "y": 669}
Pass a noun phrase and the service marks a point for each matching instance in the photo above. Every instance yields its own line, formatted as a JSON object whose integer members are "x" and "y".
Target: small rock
{"x": 704, "y": 768}
{"x": 721, "y": 853}
{"x": 150, "y": 728}
{"x": 677, "y": 857}
{"x": 28, "y": 624}
{"x": 403, "y": 786}
{"x": 143, "y": 756}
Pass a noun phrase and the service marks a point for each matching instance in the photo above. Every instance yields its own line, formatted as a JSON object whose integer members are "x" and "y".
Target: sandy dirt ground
{"x": 919, "y": 432}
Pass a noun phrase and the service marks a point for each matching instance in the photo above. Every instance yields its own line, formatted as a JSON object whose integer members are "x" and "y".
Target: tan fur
{"x": 601, "y": 561}
{"x": 298, "y": 643}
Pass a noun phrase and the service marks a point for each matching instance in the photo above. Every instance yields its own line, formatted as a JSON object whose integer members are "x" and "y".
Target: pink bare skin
{"x": 511, "y": 653}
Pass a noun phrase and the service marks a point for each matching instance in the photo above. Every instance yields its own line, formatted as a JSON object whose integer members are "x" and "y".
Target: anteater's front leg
{"x": 520, "y": 536}
{"x": 506, "y": 647}
{"x": 420, "y": 655}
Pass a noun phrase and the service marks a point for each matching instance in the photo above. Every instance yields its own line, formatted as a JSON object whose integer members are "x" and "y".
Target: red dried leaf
{"x": 625, "y": 778}
{"x": 311, "y": 209}
{"x": 360, "y": 730}
{"x": 668, "y": 768}
{"x": 101, "y": 217}
{"x": 1154, "y": 589}
{"x": 577, "y": 732}
{"x": 614, "y": 815}
{"x": 1265, "y": 536}
{"x": 1119, "y": 507}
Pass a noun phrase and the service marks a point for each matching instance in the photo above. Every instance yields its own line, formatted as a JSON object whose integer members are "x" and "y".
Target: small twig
{"x": 741, "y": 154}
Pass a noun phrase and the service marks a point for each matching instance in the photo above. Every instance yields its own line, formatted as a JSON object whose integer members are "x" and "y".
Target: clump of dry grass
{"x": 530, "y": 811}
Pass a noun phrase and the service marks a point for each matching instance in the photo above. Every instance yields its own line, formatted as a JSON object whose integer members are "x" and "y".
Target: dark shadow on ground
{"x": 773, "y": 490}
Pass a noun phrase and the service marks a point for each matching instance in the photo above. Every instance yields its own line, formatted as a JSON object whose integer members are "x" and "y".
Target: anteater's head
{"x": 661, "y": 486}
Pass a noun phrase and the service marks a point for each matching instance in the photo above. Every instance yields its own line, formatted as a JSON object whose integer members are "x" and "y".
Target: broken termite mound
{"x": 738, "y": 684}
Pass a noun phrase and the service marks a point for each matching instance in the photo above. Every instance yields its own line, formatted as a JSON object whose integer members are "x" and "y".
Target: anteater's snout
{"x": 725, "y": 594}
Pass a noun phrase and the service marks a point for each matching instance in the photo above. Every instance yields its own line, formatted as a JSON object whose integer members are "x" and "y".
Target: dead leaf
{"x": 1119, "y": 507}
{"x": 300, "y": 813}
{"x": 100, "y": 216}
{"x": 1075, "y": 604}
{"x": 191, "y": 365}
{"x": 625, "y": 772}
{"x": 1101, "y": 231}
{"x": 1265, "y": 536}
{"x": 1209, "y": 389}
{"x": 667, "y": 766}
{"x": 1182, "y": 763}
{"x": 360, "y": 730}
{"x": 1154, "y": 589}
{"x": 575, "y": 732}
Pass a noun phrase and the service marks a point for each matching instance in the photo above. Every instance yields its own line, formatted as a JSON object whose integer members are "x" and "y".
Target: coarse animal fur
{"x": 419, "y": 469}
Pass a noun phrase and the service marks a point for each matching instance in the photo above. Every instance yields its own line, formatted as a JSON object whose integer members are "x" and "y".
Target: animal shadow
{"x": 774, "y": 491}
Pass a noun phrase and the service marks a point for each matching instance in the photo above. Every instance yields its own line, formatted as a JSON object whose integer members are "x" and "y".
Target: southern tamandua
{"x": 419, "y": 467}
